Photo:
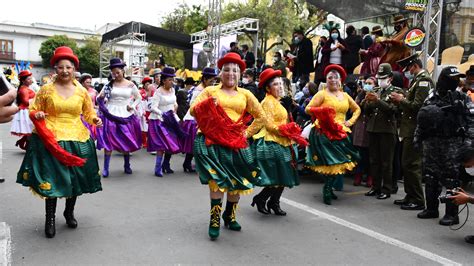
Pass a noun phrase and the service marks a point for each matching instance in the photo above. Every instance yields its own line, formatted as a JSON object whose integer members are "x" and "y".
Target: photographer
{"x": 466, "y": 155}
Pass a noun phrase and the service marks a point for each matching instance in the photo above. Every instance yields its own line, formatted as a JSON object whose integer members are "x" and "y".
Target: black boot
{"x": 261, "y": 200}
{"x": 50, "y": 226}
{"x": 215, "y": 222}
{"x": 166, "y": 164}
{"x": 187, "y": 165}
{"x": 432, "y": 191}
{"x": 274, "y": 202}
{"x": 451, "y": 217}
{"x": 69, "y": 212}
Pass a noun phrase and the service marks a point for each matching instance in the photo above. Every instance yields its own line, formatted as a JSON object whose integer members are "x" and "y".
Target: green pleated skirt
{"x": 330, "y": 157}
{"x": 48, "y": 178}
{"x": 277, "y": 164}
{"x": 224, "y": 169}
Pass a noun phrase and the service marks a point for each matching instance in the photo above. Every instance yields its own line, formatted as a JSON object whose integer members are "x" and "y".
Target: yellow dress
{"x": 64, "y": 115}
{"x": 221, "y": 168}
{"x": 40, "y": 170}
{"x": 275, "y": 155}
{"x": 332, "y": 157}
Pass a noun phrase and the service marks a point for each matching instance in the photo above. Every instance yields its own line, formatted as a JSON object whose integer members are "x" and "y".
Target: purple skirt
{"x": 161, "y": 139}
{"x": 92, "y": 128}
{"x": 119, "y": 137}
{"x": 190, "y": 127}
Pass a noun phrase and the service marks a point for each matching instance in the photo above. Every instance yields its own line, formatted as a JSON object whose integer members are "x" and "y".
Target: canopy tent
{"x": 155, "y": 35}
{"x": 356, "y": 10}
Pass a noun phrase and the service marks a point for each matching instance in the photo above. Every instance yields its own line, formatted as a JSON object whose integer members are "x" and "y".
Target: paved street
{"x": 143, "y": 219}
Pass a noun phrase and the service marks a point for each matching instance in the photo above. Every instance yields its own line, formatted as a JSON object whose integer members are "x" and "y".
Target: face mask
{"x": 275, "y": 59}
{"x": 470, "y": 171}
{"x": 368, "y": 87}
{"x": 334, "y": 36}
{"x": 384, "y": 83}
{"x": 408, "y": 75}
{"x": 245, "y": 81}
{"x": 397, "y": 28}
{"x": 297, "y": 40}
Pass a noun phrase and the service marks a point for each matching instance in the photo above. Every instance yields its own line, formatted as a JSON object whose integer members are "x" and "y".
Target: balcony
{"x": 7, "y": 55}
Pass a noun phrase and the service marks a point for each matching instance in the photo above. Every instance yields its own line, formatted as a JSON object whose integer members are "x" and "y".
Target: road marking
{"x": 371, "y": 233}
{"x": 5, "y": 244}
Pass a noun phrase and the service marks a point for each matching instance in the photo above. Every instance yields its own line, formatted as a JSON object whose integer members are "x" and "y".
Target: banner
{"x": 416, "y": 5}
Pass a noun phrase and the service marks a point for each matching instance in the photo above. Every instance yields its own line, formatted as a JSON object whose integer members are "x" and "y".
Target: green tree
{"x": 89, "y": 56}
{"x": 183, "y": 19}
{"x": 47, "y": 48}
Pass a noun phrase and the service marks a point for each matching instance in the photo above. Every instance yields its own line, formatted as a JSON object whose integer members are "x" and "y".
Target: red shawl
{"x": 218, "y": 127}
{"x": 293, "y": 132}
{"x": 327, "y": 124}
{"x": 49, "y": 141}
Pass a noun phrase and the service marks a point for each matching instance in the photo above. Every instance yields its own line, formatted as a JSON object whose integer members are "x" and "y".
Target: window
{"x": 119, "y": 54}
{"x": 472, "y": 28}
{"x": 6, "y": 46}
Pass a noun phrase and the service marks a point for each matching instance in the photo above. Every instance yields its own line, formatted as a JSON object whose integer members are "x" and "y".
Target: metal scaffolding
{"x": 430, "y": 21}
{"x": 215, "y": 31}
{"x": 137, "y": 47}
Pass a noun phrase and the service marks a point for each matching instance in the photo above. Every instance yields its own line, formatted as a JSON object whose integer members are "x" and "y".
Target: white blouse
{"x": 162, "y": 103}
{"x": 197, "y": 90}
{"x": 120, "y": 98}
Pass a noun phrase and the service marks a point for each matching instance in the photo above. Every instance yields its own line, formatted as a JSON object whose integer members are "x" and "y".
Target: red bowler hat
{"x": 64, "y": 52}
{"x": 231, "y": 57}
{"x": 337, "y": 68}
{"x": 25, "y": 73}
{"x": 266, "y": 75}
{"x": 147, "y": 79}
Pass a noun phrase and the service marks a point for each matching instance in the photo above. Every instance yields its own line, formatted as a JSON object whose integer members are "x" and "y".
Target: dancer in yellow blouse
{"x": 223, "y": 159}
{"x": 61, "y": 160}
{"x": 331, "y": 152}
{"x": 274, "y": 152}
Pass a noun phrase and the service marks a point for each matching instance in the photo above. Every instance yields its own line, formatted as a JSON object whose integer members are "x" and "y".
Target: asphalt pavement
{"x": 143, "y": 219}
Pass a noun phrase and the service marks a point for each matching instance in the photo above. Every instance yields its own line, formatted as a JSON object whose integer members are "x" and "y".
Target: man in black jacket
{"x": 354, "y": 44}
{"x": 304, "y": 56}
{"x": 249, "y": 57}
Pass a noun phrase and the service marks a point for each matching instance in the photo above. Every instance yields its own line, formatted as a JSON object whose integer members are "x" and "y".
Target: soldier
{"x": 421, "y": 83}
{"x": 444, "y": 126}
{"x": 382, "y": 129}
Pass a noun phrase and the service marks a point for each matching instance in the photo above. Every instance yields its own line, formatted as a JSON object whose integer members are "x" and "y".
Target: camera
{"x": 445, "y": 198}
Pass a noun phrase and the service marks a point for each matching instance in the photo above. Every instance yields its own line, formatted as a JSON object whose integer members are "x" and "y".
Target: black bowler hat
{"x": 116, "y": 62}
{"x": 168, "y": 72}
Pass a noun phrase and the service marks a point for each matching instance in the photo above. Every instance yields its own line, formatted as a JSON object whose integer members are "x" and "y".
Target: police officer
{"x": 382, "y": 129}
{"x": 444, "y": 126}
{"x": 420, "y": 85}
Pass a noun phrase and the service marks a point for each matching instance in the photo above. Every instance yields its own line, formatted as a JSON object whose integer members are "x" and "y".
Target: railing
{"x": 7, "y": 55}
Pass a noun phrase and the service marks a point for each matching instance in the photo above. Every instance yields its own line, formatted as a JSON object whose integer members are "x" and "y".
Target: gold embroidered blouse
{"x": 64, "y": 115}
{"x": 275, "y": 115}
{"x": 235, "y": 105}
{"x": 323, "y": 98}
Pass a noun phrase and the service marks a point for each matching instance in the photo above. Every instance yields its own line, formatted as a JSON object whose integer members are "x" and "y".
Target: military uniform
{"x": 411, "y": 157}
{"x": 445, "y": 124}
{"x": 382, "y": 129}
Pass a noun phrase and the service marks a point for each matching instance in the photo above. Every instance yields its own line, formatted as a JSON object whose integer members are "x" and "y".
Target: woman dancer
{"x": 189, "y": 124}
{"x": 274, "y": 150}
{"x": 163, "y": 127}
{"x": 143, "y": 109}
{"x": 61, "y": 161}
{"x": 21, "y": 124}
{"x": 223, "y": 159}
{"x": 331, "y": 152}
{"x": 121, "y": 131}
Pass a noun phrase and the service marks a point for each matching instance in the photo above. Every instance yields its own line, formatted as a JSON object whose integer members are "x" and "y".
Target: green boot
{"x": 327, "y": 190}
{"x": 215, "y": 223}
{"x": 229, "y": 216}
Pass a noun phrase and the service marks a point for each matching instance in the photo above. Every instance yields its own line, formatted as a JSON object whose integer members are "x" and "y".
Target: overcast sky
{"x": 88, "y": 14}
